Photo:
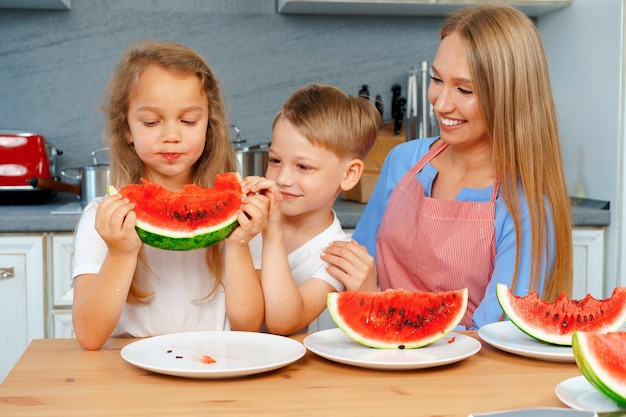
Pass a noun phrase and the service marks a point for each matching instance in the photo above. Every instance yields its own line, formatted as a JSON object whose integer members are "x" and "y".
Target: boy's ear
{"x": 352, "y": 174}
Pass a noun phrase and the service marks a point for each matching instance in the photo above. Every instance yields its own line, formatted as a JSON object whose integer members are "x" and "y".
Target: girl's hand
{"x": 115, "y": 222}
{"x": 252, "y": 218}
{"x": 350, "y": 263}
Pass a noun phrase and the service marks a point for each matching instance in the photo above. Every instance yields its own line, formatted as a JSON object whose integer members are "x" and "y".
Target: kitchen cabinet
{"x": 60, "y": 292}
{"x": 408, "y": 7}
{"x": 21, "y": 296}
{"x": 588, "y": 262}
{"x": 36, "y": 4}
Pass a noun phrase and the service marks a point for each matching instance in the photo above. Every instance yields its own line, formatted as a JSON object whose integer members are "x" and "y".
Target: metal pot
{"x": 251, "y": 158}
{"x": 94, "y": 179}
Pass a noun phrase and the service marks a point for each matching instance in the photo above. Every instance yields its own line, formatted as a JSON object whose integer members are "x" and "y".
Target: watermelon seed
{"x": 400, "y": 346}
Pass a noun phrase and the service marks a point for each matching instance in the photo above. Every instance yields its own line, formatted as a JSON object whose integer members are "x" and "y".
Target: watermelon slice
{"x": 555, "y": 322}
{"x": 397, "y": 318}
{"x": 192, "y": 218}
{"x": 600, "y": 358}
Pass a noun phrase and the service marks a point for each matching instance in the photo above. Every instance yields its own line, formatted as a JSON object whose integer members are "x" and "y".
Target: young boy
{"x": 319, "y": 140}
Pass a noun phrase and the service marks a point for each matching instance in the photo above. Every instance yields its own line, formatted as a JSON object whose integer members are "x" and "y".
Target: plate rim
{"x": 560, "y": 393}
{"x": 216, "y": 373}
{"x": 507, "y": 347}
{"x": 472, "y": 350}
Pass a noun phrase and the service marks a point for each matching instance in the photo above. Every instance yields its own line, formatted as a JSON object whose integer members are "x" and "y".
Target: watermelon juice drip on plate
{"x": 602, "y": 360}
{"x": 397, "y": 318}
{"x": 191, "y": 218}
{"x": 555, "y": 322}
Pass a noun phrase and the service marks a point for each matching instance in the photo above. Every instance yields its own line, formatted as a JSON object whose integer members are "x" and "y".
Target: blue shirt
{"x": 397, "y": 164}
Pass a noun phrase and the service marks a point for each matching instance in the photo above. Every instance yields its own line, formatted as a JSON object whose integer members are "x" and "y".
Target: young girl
{"x": 165, "y": 122}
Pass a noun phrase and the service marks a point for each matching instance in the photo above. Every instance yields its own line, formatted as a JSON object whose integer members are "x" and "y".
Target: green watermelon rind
{"x": 505, "y": 296}
{"x": 594, "y": 372}
{"x": 331, "y": 301}
{"x": 177, "y": 240}
{"x": 183, "y": 241}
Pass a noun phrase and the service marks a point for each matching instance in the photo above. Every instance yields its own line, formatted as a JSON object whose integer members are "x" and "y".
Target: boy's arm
{"x": 288, "y": 308}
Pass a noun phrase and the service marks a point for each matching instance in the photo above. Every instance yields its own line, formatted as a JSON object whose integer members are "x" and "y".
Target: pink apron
{"x": 426, "y": 244}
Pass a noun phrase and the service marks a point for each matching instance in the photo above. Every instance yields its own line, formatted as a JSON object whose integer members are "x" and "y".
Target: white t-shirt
{"x": 305, "y": 262}
{"x": 178, "y": 280}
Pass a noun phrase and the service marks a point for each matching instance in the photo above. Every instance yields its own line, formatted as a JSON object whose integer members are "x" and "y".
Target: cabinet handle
{"x": 7, "y": 273}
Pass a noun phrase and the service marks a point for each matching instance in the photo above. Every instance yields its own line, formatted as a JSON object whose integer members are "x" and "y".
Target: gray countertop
{"x": 61, "y": 214}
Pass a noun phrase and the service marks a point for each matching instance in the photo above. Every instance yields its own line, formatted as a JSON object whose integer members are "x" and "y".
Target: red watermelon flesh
{"x": 397, "y": 318}
{"x": 555, "y": 322}
{"x": 601, "y": 358}
{"x": 191, "y": 218}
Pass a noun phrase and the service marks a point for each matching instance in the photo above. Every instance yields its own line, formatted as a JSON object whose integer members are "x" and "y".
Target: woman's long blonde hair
{"x": 126, "y": 167}
{"x": 510, "y": 77}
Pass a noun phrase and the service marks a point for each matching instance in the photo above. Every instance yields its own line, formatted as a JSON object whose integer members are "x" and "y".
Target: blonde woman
{"x": 484, "y": 203}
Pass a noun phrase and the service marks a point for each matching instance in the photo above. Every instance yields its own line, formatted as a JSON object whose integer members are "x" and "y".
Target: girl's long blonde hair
{"x": 510, "y": 75}
{"x": 126, "y": 167}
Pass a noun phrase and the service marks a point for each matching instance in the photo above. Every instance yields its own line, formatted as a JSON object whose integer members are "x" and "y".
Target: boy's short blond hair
{"x": 345, "y": 125}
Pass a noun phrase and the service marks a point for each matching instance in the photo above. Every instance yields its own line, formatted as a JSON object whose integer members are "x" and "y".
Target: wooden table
{"x": 56, "y": 377}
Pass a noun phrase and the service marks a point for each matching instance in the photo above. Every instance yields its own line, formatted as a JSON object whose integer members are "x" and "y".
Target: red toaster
{"x": 24, "y": 156}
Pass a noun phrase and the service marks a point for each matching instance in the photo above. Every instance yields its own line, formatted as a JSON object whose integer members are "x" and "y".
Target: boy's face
{"x": 308, "y": 176}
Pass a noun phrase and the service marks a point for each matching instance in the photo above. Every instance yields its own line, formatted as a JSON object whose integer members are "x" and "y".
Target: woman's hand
{"x": 350, "y": 263}
{"x": 115, "y": 222}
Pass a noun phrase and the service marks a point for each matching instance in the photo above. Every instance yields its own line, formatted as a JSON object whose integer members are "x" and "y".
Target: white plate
{"x": 235, "y": 353}
{"x": 505, "y": 336}
{"x": 333, "y": 344}
{"x": 579, "y": 394}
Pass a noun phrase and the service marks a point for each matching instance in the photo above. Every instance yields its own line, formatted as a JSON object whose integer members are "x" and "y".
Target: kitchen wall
{"x": 55, "y": 64}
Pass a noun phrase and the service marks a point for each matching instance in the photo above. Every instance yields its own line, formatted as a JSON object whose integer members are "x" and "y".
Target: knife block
{"x": 373, "y": 163}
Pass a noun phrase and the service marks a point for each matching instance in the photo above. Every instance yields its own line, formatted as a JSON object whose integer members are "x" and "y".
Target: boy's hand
{"x": 350, "y": 263}
{"x": 252, "y": 218}
{"x": 269, "y": 188}
{"x": 115, "y": 223}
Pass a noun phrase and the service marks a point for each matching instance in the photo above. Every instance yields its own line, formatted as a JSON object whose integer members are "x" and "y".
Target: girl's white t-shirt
{"x": 179, "y": 281}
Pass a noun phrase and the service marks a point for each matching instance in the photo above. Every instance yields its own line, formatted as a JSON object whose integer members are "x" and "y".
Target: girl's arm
{"x": 244, "y": 297}
{"x": 100, "y": 298}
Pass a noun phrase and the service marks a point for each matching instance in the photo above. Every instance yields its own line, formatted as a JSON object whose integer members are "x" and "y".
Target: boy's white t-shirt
{"x": 180, "y": 282}
{"x": 305, "y": 262}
